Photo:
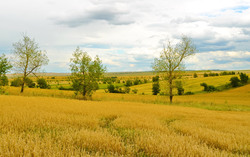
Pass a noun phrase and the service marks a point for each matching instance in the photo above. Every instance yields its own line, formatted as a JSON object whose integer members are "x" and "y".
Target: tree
{"x": 235, "y": 81}
{"x": 28, "y": 59}
{"x": 42, "y": 83}
{"x": 243, "y": 78}
{"x": 179, "y": 86}
{"x": 30, "y": 83}
{"x": 156, "y": 85}
{"x": 85, "y": 73}
{"x": 170, "y": 63}
{"x": 195, "y": 75}
{"x": 5, "y": 66}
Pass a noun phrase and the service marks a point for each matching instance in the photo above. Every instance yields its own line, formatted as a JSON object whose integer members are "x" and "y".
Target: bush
{"x": 128, "y": 83}
{"x": 211, "y": 88}
{"x": 180, "y": 91}
{"x": 30, "y": 83}
{"x": 156, "y": 88}
{"x": 189, "y": 93}
{"x": 111, "y": 88}
{"x": 135, "y": 91}
{"x": 42, "y": 83}
{"x": 243, "y": 78}
{"x": 208, "y": 88}
{"x": 227, "y": 73}
{"x": 205, "y": 75}
{"x": 204, "y": 85}
{"x": 156, "y": 79}
{"x": 127, "y": 90}
{"x": 4, "y": 80}
{"x": 195, "y": 75}
{"x": 179, "y": 87}
{"x": 16, "y": 82}
{"x": 136, "y": 82}
{"x": 235, "y": 82}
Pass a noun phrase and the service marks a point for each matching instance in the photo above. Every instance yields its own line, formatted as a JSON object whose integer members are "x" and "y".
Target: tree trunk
{"x": 22, "y": 87}
{"x": 170, "y": 91}
{"x": 171, "y": 98}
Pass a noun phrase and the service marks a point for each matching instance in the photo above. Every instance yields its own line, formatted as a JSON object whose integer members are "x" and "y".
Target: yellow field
{"x": 189, "y": 84}
{"x": 237, "y": 99}
{"x": 42, "y": 126}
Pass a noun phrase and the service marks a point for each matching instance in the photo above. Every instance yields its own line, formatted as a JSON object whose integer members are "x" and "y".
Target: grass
{"x": 42, "y": 122}
{"x": 236, "y": 99}
{"x": 189, "y": 84}
{"x": 42, "y": 126}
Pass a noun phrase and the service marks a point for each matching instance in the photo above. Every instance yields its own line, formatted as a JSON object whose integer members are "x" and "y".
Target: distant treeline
{"x": 219, "y": 74}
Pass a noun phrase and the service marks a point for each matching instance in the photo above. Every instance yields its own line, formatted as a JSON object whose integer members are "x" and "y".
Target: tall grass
{"x": 232, "y": 100}
{"x": 42, "y": 126}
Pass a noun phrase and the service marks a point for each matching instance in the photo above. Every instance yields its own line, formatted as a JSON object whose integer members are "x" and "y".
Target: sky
{"x": 128, "y": 34}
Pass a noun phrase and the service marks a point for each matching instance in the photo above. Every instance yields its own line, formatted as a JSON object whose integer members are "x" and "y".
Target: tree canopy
{"x": 85, "y": 72}
{"x": 28, "y": 59}
{"x": 170, "y": 63}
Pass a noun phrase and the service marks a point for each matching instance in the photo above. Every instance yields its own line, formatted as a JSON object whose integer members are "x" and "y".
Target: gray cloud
{"x": 108, "y": 14}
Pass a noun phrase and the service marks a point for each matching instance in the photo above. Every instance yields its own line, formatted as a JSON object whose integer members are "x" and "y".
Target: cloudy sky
{"x": 128, "y": 34}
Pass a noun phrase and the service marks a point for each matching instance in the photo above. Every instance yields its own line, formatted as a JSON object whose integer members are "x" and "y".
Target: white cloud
{"x": 220, "y": 30}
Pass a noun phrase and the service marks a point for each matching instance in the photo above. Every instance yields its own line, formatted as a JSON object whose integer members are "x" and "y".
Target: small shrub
{"x": 128, "y": 83}
{"x": 195, "y": 75}
{"x": 30, "y": 83}
{"x": 111, "y": 88}
{"x": 180, "y": 91}
{"x": 156, "y": 88}
{"x": 136, "y": 82}
{"x": 156, "y": 79}
{"x": 205, "y": 75}
{"x": 4, "y": 80}
{"x": 243, "y": 78}
{"x": 42, "y": 83}
{"x": 208, "y": 88}
{"x": 235, "y": 82}
{"x": 204, "y": 85}
{"x": 16, "y": 82}
{"x": 127, "y": 90}
{"x": 135, "y": 91}
{"x": 189, "y": 93}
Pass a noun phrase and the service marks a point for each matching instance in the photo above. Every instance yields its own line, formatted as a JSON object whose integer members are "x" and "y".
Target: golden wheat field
{"x": 42, "y": 126}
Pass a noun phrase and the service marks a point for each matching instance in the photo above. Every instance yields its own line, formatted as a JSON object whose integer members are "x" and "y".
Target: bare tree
{"x": 170, "y": 63}
{"x": 28, "y": 59}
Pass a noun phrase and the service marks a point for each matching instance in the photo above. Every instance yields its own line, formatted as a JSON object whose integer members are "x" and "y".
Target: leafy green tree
{"x": 243, "y": 78}
{"x": 16, "y": 82}
{"x": 30, "y": 83}
{"x": 4, "y": 80}
{"x": 128, "y": 83}
{"x": 111, "y": 88}
{"x": 42, "y": 83}
{"x": 195, "y": 75}
{"x": 208, "y": 88}
{"x": 179, "y": 87}
{"x": 85, "y": 73}
{"x": 156, "y": 85}
{"x": 156, "y": 88}
{"x": 235, "y": 81}
{"x": 170, "y": 64}
{"x": 5, "y": 66}
{"x": 28, "y": 59}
